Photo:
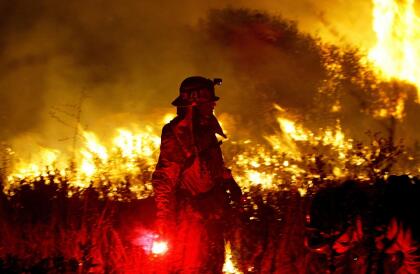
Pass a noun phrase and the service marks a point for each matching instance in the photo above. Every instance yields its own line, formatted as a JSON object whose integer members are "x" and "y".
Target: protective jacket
{"x": 190, "y": 161}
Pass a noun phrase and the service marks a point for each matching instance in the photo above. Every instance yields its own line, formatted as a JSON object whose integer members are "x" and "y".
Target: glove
{"x": 230, "y": 185}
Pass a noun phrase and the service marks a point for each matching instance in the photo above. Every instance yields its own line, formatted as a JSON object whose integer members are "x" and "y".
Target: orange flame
{"x": 283, "y": 165}
{"x": 294, "y": 157}
{"x": 228, "y": 266}
{"x": 397, "y": 50}
{"x": 129, "y": 152}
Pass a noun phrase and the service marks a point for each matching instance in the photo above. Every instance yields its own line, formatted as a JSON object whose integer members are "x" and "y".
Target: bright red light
{"x": 151, "y": 243}
{"x": 159, "y": 247}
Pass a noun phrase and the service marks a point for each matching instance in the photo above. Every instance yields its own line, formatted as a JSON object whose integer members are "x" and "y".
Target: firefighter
{"x": 193, "y": 189}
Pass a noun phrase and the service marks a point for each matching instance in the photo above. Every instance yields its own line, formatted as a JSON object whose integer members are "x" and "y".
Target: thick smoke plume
{"x": 122, "y": 63}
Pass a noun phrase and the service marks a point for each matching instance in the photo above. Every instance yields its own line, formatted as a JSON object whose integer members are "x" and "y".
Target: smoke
{"x": 121, "y": 63}
{"x": 125, "y": 58}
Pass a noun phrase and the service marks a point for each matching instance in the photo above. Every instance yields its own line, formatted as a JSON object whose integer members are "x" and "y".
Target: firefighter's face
{"x": 206, "y": 108}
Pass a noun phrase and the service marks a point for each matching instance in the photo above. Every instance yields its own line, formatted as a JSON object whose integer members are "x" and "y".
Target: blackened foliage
{"x": 11, "y": 264}
{"x": 333, "y": 209}
{"x": 271, "y": 59}
{"x": 401, "y": 200}
{"x": 336, "y": 208}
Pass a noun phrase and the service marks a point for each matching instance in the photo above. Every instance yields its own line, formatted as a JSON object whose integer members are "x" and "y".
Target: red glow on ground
{"x": 151, "y": 244}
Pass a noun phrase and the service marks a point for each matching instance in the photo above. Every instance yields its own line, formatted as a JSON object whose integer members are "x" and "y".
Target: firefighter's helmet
{"x": 196, "y": 90}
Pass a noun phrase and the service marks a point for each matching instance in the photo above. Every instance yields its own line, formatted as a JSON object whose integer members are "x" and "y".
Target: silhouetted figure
{"x": 192, "y": 186}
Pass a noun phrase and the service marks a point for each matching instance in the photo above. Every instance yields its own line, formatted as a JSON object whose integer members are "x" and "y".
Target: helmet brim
{"x": 179, "y": 102}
